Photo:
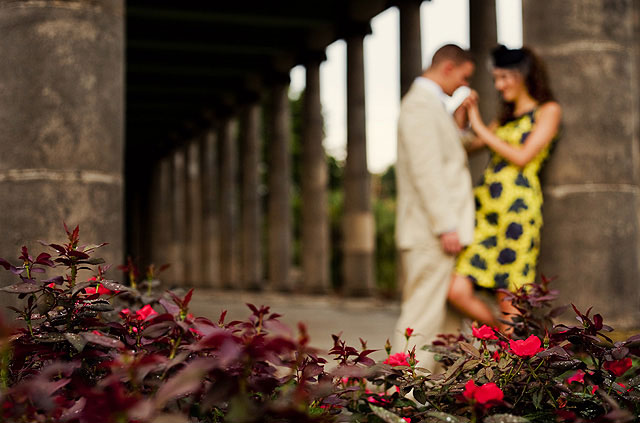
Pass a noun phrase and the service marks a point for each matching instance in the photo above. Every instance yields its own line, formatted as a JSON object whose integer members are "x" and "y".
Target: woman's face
{"x": 509, "y": 83}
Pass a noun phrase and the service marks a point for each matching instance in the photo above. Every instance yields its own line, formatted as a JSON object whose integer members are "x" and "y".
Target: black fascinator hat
{"x": 503, "y": 57}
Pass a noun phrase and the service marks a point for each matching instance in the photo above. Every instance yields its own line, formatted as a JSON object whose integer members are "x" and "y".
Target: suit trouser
{"x": 426, "y": 274}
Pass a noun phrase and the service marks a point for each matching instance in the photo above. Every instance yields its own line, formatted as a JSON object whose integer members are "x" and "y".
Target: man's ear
{"x": 447, "y": 66}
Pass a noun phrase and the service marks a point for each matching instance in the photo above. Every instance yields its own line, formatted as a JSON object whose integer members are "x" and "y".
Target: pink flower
{"x": 496, "y": 356}
{"x": 594, "y": 389}
{"x": 484, "y": 332}
{"x": 145, "y": 312}
{"x": 618, "y": 367}
{"x": 526, "y": 348}
{"x": 124, "y": 312}
{"x": 408, "y": 332}
{"x": 398, "y": 359}
{"x": 406, "y": 419}
{"x": 578, "y": 376}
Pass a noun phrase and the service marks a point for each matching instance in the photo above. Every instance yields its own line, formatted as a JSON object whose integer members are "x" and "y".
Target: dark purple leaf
{"x": 17, "y": 270}
{"x": 169, "y": 306}
{"x": 21, "y": 288}
{"x": 78, "y": 254}
{"x": 597, "y": 321}
{"x": 59, "y": 248}
{"x": 114, "y": 286}
{"x": 5, "y": 264}
{"x": 102, "y": 340}
{"x": 186, "y": 381}
{"x": 187, "y": 299}
{"x": 157, "y": 330}
{"x": 44, "y": 259}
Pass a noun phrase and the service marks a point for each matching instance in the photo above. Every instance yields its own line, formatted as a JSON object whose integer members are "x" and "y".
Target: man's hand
{"x": 450, "y": 242}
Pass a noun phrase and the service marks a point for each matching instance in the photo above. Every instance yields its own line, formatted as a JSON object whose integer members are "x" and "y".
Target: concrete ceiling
{"x": 192, "y": 60}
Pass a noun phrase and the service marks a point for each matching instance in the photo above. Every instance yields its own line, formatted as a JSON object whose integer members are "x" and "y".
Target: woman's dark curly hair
{"x": 533, "y": 70}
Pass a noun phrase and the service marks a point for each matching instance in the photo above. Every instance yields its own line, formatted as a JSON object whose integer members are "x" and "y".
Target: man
{"x": 435, "y": 214}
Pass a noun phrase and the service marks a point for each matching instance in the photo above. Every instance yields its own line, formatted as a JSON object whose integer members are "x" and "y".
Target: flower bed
{"x": 99, "y": 351}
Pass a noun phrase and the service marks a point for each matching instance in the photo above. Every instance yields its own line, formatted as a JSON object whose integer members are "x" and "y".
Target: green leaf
{"x": 76, "y": 340}
{"x": 454, "y": 368}
{"x": 537, "y": 398}
{"x": 471, "y": 364}
{"x": 445, "y": 417}
{"x": 386, "y": 415}
{"x": 505, "y": 418}
{"x": 470, "y": 349}
{"x": 419, "y": 395}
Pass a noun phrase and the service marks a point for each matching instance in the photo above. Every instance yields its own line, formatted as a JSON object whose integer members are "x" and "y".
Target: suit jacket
{"x": 433, "y": 180}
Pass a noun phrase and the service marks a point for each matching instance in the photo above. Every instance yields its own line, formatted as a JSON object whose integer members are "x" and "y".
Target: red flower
{"x": 484, "y": 332}
{"x": 526, "y": 348}
{"x": 145, "y": 312}
{"x": 124, "y": 312}
{"x": 101, "y": 290}
{"x": 578, "y": 376}
{"x": 487, "y": 394}
{"x": 408, "y": 332}
{"x": 594, "y": 388}
{"x": 469, "y": 389}
{"x": 618, "y": 367}
{"x": 496, "y": 356}
{"x": 398, "y": 359}
{"x": 406, "y": 419}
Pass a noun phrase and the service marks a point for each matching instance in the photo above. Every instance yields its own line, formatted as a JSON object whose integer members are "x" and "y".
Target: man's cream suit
{"x": 434, "y": 196}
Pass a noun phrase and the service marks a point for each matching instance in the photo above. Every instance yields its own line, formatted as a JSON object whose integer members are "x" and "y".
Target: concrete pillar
{"x": 279, "y": 213}
{"x": 210, "y": 210}
{"x": 61, "y": 120}
{"x": 161, "y": 214}
{"x": 591, "y": 238}
{"x": 483, "y": 35}
{"x": 410, "y": 43}
{"x": 358, "y": 221}
{"x": 315, "y": 178}
{"x": 193, "y": 214}
{"x": 226, "y": 202}
{"x": 178, "y": 218}
{"x": 251, "y": 210}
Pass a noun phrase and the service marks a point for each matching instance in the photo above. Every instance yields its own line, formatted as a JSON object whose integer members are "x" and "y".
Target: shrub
{"x": 97, "y": 350}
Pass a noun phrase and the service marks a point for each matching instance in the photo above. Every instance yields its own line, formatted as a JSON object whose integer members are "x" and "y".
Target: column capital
{"x": 400, "y": 3}
{"x": 312, "y": 57}
{"x": 352, "y": 28}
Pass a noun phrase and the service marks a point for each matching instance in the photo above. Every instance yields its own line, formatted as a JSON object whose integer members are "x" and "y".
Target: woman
{"x": 506, "y": 242}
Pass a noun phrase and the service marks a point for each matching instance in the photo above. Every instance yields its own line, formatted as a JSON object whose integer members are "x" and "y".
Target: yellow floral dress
{"x": 506, "y": 241}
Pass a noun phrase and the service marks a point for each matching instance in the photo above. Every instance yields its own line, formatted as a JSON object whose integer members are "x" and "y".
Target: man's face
{"x": 458, "y": 75}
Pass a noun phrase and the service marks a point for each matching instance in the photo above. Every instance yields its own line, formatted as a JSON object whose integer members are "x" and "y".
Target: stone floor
{"x": 370, "y": 319}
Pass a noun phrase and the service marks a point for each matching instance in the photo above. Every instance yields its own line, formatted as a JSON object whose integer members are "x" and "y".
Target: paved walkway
{"x": 370, "y": 319}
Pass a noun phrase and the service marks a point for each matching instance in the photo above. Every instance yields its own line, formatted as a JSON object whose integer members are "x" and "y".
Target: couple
{"x": 448, "y": 243}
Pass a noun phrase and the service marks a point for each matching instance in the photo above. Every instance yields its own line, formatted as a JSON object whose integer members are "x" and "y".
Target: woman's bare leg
{"x": 507, "y": 310}
{"x": 462, "y": 297}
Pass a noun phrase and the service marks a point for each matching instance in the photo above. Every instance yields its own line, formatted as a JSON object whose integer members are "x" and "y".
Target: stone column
{"x": 193, "y": 214}
{"x": 226, "y": 202}
{"x": 251, "y": 210}
{"x": 178, "y": 219}
{"x": 161, "y": 215}
{"x": 61, "y": 121}
{"x": 484, "y": 37}
{"x": 410, "y": 43}
{"x": 358, "y": 221}
{"x": 279, "y": 213}
{"x": 315, "y": 178}
{"x": 591, "y": 238}
{"x": 210, "y": 210}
